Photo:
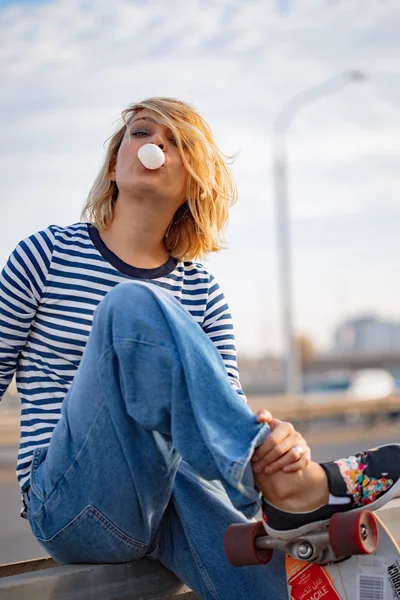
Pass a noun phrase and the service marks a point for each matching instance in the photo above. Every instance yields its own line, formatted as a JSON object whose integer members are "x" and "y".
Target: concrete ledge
{"x": 144, "y": 579}
{"x": 27, "y": 566}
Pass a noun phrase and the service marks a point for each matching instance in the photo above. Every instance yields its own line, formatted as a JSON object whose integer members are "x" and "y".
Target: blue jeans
{"x": 149, "y": 429}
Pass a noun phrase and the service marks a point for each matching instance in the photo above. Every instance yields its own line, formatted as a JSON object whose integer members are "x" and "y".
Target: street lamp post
{"x": 293, "y": 383}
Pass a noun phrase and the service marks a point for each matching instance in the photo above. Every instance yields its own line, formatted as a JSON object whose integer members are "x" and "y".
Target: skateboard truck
{"x": 313, "y": 547}
{"x": 346, "y": 535}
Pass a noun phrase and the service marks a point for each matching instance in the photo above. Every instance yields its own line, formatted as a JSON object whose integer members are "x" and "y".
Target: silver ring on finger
{"x": 299, "y": 449}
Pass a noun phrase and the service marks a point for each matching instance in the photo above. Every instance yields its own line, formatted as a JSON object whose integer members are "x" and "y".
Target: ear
{"x": 112, "y": 172}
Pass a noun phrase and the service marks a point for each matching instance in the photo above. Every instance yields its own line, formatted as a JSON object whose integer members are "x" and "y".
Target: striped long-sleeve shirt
{"x": 49, "y": 290}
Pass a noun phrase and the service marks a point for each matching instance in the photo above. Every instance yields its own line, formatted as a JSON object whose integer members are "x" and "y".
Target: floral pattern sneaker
{"x": 366, "y": 480}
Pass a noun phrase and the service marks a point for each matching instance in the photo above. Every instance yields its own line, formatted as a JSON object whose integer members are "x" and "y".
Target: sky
{"x": 69, "y": 67}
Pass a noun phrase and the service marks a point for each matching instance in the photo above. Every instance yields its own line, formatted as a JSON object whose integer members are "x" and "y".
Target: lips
{"x": 152, "y": 170}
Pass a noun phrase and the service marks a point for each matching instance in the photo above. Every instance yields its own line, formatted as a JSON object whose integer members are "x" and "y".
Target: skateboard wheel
{"x": 353, "y": 533}
{"x": 239, "y": 545}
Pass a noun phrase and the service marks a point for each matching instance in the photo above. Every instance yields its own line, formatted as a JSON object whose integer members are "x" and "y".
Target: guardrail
{"x": 308, "y": 408}
{"x": 291, "y": 408}
{"x": 9, "y": 428}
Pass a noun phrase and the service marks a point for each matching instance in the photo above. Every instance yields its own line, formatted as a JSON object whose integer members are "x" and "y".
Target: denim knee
{"x": 136, "y": 294}
{"x": 136, "y": 310}
{"x": 128, "y": 290}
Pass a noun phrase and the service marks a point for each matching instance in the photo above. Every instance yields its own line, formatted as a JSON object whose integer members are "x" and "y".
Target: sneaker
{"x": 367, "y": 480}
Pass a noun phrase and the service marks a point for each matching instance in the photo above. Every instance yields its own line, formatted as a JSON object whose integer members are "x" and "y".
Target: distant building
{"x": 367, "y": 333}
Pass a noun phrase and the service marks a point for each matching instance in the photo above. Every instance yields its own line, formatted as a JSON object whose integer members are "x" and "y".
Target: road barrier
{"x": 313, "y": 407}
{"x": 301, "y": 408}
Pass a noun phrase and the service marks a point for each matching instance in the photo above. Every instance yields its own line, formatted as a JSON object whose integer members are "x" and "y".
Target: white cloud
{"x": 68, "y": 67}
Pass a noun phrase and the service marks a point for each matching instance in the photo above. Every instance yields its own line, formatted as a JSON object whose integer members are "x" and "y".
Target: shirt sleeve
{"x": 21, "y": 284}
{"x": 218, "y": 325}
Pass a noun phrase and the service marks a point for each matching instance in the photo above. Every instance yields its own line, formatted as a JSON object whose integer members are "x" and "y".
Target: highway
{"x": 326, "y": 441}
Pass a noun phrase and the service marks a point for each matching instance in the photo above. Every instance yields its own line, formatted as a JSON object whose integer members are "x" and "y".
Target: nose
{"x": 158, "y": 140}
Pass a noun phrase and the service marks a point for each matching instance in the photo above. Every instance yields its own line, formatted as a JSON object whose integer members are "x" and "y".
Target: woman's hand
{"x": 284, "y": 449}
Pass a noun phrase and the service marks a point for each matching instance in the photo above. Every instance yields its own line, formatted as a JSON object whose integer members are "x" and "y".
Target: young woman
{"x": 136, "y": 439}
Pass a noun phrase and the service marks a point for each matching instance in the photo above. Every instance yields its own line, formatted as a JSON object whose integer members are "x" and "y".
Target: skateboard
{"x": 353, "y": 558}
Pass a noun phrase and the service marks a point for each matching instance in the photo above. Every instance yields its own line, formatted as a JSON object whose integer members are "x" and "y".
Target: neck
{"x": 136, "y": 233}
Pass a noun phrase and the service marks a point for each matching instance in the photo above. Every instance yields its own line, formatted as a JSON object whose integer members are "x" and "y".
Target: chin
{"x": 140, "y": 188}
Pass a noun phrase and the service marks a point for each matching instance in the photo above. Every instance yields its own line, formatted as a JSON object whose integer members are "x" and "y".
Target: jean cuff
{"x": 243, "y": 492}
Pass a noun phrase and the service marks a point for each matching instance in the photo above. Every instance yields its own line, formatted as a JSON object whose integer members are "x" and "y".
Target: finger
{"x": 283, "y": 447}
{"x": 277, "y": 453}
{"x": 279, "y": 431}
{"x": 302, "y": 463}
{"x": 294, "y": 459}
{"x": 263, "y": 416}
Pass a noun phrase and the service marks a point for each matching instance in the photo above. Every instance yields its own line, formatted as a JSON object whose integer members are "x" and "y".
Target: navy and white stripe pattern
{"x": 49, "y": 289}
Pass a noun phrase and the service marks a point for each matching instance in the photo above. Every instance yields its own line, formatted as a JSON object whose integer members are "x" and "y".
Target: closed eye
{"x": 143, "y": 133}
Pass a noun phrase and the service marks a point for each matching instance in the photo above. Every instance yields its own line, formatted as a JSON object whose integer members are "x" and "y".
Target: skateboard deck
{"x": 373, "y": 576}
{"x": 355, "y": 558}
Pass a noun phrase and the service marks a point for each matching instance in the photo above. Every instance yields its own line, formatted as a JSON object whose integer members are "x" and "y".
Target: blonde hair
{"x": 198, "y": 226}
